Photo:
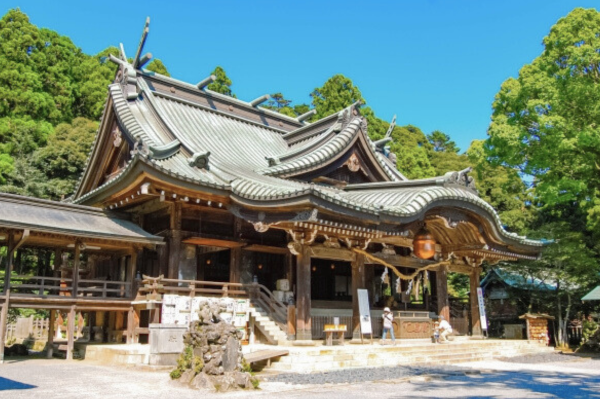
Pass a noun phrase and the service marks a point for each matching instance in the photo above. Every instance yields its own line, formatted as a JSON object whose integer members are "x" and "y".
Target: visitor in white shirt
{"x": 444, "y": 328}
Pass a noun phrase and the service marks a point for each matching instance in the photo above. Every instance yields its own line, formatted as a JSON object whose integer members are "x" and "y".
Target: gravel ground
{"x": 347, "y": 376}
{"x": 541, "y": 376}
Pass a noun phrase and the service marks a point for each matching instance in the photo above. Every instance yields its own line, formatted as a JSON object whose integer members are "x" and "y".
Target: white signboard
{"x": 482, "y": 317}
{"x": 364, "y": 311}
{"x": 181, "y": 309}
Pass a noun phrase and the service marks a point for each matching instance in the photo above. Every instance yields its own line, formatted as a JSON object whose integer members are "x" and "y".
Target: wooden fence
{"x": 28, "y": 328}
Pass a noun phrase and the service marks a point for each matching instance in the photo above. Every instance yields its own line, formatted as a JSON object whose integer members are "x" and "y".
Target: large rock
{"x": 216, "y": 343}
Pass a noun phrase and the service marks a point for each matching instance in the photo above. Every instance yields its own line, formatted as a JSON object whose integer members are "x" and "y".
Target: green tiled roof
{"x": 593, "y": 295}
{"x": 255, "y": 158}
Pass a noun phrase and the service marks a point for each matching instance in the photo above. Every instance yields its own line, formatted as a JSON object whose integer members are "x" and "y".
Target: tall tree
{"x": 222, "y": 84}
{"x": 413, "y": 151}
{"x": 503, "y": 188}
{"x": 546, "y": 122}
{"x": 336, "y": 93}
{"x": 442, "y": 143}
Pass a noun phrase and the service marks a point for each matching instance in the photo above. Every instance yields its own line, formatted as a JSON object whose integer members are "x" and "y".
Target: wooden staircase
{"x": 267, "y": 326}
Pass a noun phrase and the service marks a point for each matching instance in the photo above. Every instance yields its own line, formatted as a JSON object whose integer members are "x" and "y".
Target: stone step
{"x": 325, "y": 359}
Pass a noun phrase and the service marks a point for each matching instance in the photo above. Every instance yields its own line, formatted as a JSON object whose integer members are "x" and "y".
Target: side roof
{"x": 19, "y": 212}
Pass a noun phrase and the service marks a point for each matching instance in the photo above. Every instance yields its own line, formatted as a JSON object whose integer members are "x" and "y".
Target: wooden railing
{"x": 258, "y": 294}
{"x": 28, "y": 328}
{"x": 45, "y": 286}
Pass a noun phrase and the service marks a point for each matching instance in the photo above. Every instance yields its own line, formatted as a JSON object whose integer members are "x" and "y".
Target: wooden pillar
{"x": 442, "y": 292}
{"x": 303, "y": 303}
{"x": 358, "y": 282}
{"x": 132, "y": 271}
{"x": 71, "y": 333}
{"x": 369, "y": 277}
{"x": 289, "y": 269}
{"x": 475, "y": 319}
{"x": 175, "y": 241}
{"x": 130, "y": 326}
{"x": 57, "y": 262}
{"x": 76, "y": 263}
{"x": 6, "y": 291}
{"x": 50, "y": 342}
{"x": 235, "y": 265}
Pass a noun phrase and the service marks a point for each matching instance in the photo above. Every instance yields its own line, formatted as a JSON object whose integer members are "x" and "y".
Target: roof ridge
{"x": 209, "y": 93}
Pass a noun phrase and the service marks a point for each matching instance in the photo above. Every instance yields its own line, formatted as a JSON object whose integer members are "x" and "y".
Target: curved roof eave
{"x": 139, "y": 164}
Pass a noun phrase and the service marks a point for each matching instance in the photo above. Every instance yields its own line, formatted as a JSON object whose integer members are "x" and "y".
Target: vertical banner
{"x": 364, "y": 311}
{"x": 481, "y": 309}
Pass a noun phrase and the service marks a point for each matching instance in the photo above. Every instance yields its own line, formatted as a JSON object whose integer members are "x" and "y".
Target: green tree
{"x": 413, "y": 151}
{"x": 63, "y": 160}
{"x": 157, "y": 66}
{"x": 442, "y": 143}
{"x": 546, "y": 122}
{"x": 222, "y": 84}
{"x": 279, "y": 103}
{"x": 503, "y": 188}
{"x": 337, "y": 93}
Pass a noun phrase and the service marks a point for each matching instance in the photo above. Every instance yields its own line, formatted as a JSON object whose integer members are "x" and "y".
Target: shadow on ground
{"x": 533, "y": 384}
{"x": 9, "y": 384}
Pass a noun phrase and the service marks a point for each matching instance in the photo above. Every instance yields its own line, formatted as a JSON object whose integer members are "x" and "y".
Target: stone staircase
{"x": 322, "y": 358}
{"x": 267, "y": 326}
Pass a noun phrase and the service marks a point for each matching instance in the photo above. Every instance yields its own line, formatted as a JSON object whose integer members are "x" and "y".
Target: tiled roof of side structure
{"x": 20, "y": 212}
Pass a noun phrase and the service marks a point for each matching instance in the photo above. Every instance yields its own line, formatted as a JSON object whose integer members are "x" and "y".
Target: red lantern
{"x": 424, "y": 244}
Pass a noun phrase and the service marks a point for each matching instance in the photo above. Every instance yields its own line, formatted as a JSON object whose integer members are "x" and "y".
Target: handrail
{"x": 55, "y": 286}
{"x": 256, "y": 292}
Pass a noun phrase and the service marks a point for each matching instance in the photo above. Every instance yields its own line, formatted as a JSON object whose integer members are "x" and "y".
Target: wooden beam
{"x": 460, "y": 269}
{"x": 329, "y": 253}
{"x": 267, "y": 249}
{"x": 401, "y": 261}
{"x": 199, "y": 241}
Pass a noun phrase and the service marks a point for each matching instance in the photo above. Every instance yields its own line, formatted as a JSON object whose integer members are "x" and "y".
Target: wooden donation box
{"x": 332, "y": 329}
{"x": 413, "y": 325}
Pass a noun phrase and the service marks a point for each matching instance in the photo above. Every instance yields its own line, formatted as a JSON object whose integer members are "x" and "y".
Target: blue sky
{"x": 436, "y": 64}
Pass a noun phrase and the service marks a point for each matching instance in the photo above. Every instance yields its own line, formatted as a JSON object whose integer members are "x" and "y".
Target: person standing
{"x": 445, "y": 329}
{"x": 388, "y": 325}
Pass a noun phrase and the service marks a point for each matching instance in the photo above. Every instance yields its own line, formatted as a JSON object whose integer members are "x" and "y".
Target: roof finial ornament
{"x": 388, "y": 135}
{"x": 260, "y": 100}
{"x": 206, "y": 81}
{"x": 306, "y": 115}
{"x": 137, "y": 63}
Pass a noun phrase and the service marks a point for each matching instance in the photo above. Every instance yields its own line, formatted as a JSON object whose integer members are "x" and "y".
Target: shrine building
{"x": 193, "y": 192}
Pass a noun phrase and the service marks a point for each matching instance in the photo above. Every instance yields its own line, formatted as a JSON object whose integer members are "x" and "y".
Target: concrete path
{"x": 575, "y": 378}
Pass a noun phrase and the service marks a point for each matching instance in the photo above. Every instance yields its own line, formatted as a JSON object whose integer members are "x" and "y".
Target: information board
{"x": 482, "y": 317}
{"x": 364, "y": 311}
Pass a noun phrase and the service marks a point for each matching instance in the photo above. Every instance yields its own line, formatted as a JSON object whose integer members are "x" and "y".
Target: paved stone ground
{"x": 540, "y": 376}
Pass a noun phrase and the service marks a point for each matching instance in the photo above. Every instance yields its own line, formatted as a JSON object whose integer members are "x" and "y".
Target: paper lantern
{"x": 424, "y": 244}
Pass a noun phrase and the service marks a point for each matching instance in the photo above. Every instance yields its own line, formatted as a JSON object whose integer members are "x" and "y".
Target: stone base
{"x": 304, "y": 343}
{"x": 163, "y": 359}
{"x": 219, "y": 383}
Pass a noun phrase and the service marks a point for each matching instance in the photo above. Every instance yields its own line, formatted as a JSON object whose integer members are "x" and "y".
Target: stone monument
{"x": 212, "y": 358}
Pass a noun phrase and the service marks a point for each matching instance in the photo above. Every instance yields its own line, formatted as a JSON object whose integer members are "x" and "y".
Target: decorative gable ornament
{"x": 199, "y": 160}
{"x": 139, "y": 147}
